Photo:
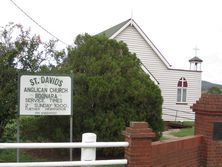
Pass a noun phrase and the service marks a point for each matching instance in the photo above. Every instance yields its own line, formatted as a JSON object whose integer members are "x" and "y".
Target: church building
{"x": 180, "y": 88}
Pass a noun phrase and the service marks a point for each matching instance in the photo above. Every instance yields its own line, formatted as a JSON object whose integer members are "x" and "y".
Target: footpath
{"x": 168, "y": 135}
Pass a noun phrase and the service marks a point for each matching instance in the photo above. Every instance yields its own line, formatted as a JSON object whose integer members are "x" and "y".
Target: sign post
{"x": 18, "y": 136}
{"x": 45, "y": 95}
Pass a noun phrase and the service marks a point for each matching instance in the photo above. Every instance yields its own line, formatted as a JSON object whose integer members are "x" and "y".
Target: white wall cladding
{"x": 167, "y": 78}
{"x": 138, "y": 45}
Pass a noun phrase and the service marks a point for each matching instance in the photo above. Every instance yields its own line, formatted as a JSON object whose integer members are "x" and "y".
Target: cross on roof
{"x": 131, "y": 17}
{"x": 196, "y": 49}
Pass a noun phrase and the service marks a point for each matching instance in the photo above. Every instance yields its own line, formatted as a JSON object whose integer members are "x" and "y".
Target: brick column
{"x": 139, "y": 136}
{"x": 208, "y": 122}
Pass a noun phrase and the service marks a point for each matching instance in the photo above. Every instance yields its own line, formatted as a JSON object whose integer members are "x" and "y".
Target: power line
{"x": 38, "y": 23}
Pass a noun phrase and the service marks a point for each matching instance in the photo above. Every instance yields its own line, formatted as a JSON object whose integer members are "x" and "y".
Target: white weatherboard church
{"x": 179, "y": 88}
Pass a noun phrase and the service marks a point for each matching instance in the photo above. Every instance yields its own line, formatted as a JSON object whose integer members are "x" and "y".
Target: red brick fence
{"x": 202, "y": 150}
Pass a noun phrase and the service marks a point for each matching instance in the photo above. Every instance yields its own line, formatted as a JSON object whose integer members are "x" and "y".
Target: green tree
{"x": 21, "y": 52}
{"x": 110, "y": 88}
{"x": 214, "y": 90}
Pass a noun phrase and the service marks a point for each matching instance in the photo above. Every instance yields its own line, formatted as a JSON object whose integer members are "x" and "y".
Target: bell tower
{"x": 195, "y": 62}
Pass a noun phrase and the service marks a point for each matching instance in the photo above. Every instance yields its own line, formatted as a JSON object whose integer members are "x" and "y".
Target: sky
{"x": 175, "y": 27}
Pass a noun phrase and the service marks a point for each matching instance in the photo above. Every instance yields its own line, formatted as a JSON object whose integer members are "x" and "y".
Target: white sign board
{"x": 45, "y": 95}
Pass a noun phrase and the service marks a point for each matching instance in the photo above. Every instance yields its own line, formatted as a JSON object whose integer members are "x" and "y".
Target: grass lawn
{"x": 184, "y": 132}
{"x": 188, "y": 123}
{"x": 163, "y": 138}
{"x": 10, "y": 156}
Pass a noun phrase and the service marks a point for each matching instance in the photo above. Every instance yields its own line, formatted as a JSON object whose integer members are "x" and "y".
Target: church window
{"x": 182, "y": 90}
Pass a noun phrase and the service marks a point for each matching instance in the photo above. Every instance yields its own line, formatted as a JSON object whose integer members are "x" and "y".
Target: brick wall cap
{"x": 139, "y": 135}
{"x": 139, "y": 130}
{"x": 198, "y": 137}
{"x": 209, "y": 103}
{"x": 139, "y": 125}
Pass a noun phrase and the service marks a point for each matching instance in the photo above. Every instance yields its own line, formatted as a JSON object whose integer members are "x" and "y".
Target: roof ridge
{"x": 115, "y": 30}
{"x": 112, "y": 30}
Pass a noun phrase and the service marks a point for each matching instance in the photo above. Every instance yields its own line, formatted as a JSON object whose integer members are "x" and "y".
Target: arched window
{"x": 182, "y": 90}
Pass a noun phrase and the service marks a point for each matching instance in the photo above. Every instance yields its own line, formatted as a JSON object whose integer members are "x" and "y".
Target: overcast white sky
{"x": 174, "y": 26}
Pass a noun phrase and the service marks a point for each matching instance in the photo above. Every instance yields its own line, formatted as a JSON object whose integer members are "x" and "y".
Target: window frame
{"x": 182, "y": 86}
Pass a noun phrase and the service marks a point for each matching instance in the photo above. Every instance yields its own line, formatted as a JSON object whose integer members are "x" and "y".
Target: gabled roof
{"x": 117, "y": 29}
{"x": 109, "y": 32}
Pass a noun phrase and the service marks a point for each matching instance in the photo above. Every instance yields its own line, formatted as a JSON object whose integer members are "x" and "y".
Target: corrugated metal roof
{"x": 109, "y": 32}
{"x": 195, "y": 59}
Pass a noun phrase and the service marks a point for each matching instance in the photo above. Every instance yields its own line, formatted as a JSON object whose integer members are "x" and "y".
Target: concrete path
{"x": 167, "y": 134}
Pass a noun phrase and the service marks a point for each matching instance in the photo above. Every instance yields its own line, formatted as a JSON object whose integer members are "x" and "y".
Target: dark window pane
{"x": 179, "y": 84}
{"x": 184, "y": 83}
{"x": 184, "y": 95}
{"x": 178, "y": 95}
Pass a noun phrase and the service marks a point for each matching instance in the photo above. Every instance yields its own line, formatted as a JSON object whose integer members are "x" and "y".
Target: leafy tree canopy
{"x": 21, "y": 52}
{"x": 215, "y": 90}
{"x": 110, "y": 88}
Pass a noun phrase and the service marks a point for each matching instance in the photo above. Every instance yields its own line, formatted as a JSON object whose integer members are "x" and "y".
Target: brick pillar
{"x": 208, "y": 122}
{"x": 139, "y": 136}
